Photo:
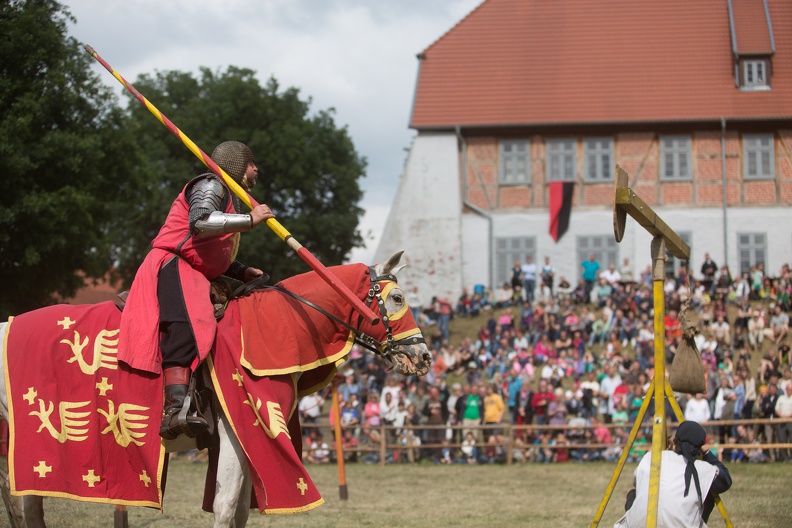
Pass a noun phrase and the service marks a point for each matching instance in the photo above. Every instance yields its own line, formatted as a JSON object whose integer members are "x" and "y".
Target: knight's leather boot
{"x": 178, "y": 418}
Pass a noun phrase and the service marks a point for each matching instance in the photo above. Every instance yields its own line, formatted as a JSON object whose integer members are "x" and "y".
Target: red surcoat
{"x": 199, "y": 261}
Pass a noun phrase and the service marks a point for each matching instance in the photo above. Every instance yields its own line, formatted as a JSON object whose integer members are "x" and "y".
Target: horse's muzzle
{"x": 411, "y": 360}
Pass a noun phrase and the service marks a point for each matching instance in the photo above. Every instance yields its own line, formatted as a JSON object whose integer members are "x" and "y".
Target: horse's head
{"x": 404, "y": 348}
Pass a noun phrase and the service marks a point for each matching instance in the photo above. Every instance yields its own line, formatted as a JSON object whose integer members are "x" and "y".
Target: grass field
{"x": 541, "y": 496}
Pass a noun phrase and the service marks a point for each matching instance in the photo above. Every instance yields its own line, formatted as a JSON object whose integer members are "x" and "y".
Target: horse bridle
{"x": 363, "y": 339}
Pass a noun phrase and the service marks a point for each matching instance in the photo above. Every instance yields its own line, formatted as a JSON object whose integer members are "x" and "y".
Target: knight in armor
{"x": 168, "y": 323}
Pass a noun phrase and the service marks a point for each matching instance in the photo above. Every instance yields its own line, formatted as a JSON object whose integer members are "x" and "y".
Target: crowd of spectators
{"x": 577, "y": 360}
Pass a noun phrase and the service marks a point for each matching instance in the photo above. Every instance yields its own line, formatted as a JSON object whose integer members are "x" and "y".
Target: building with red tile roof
{"x": 692, "y": 99}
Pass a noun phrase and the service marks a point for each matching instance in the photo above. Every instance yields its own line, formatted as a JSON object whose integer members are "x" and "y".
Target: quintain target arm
{"x": 626, "y": 201}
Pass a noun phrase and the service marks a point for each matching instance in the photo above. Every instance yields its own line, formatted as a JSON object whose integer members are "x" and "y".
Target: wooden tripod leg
{"x": 623, "y": 457}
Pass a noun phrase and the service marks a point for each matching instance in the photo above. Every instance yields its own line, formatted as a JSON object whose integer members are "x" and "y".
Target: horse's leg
{"x": 34, "y": 511}
{"x": 13, "y": 505}
{"x": 232, "y": 492}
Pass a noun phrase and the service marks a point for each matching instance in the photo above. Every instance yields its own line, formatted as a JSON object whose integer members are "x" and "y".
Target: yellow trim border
{"x": 296, "y": 368}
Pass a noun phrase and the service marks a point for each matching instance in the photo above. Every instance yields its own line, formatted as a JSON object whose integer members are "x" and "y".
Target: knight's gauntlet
{"x": 217, "y": 224}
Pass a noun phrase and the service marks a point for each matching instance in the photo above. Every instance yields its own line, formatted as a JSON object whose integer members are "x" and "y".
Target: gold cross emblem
{"x": 103, "y": 387}
{"x": 42, "y": 469}
{"x": 91, "y": 479}
{"x": 145, "y": 478}
{"x": 237, "y": 377}
{"x": 66, "y": 322}
{"x": 30, "y": 396}
{"x": 302, "y": 486}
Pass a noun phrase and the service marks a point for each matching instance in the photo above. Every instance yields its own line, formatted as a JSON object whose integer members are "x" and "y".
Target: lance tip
{"x": 90, "y": 50}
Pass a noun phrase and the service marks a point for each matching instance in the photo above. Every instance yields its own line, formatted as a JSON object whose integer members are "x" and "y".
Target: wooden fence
{"x": 388, "y": 435}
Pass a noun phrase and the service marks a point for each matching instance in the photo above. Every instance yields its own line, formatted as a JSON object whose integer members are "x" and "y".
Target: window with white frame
{"x": 754, "y": 74}
{"x": 515, "y": 157}
{"x": 752, "y": 248}
{"x": 508, "y": 250}
{"x": 598, "y": 159}
{"x": 603, "y": 247}
{"x": 561, "y": 160}
{"x": 758, "y": 156}
{"x": 675, "y": 156}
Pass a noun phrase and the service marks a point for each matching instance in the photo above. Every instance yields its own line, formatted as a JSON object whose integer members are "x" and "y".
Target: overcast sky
{"x": 357, "y": 56}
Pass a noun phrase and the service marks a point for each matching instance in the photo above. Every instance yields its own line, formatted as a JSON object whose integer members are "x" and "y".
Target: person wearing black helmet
{"x": 689, "y": 481}
{"x": 168, "y": 323}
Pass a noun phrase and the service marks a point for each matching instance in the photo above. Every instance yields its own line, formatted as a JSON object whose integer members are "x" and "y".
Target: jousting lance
{"x": 273, "y": 224}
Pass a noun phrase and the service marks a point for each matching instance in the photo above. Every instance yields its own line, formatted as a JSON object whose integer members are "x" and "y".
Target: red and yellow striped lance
{"x": 273, "y": 224}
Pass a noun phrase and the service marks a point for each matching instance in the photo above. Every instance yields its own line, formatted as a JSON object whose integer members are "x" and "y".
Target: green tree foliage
{"x": 86, "y": 184}
{"x": 308, "y": 167}
{"x": 62, "y": 153}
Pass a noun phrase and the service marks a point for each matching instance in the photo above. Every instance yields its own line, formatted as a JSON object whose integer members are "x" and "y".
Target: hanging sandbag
{"x": 686, "y": 373}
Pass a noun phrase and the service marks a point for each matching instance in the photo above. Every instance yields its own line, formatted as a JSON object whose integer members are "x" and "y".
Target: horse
{"x": 306, "y": 296}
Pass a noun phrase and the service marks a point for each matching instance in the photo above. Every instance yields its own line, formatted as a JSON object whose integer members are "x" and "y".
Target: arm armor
{"x": 207, "y": 219}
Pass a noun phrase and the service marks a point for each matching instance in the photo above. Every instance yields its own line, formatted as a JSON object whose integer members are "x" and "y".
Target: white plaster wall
{"x": 705, "y": 225}
{"x": 476, "y": 262}
{"x": 425, "y": 218}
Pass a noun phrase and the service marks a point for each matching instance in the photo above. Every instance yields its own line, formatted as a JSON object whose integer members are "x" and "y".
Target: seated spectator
{"x": 469, "y": 449}
{"x": 614, "y": 451}
{"x": 503, "y": 296}
{"x": 463, "y": 304}
{"x": 561, "y": 453}
{"x": 611, "y": 275}
{"x": 740, "y": 454}
{"x": 319, "y": 453}
{"x": 672, "y": 326}
{"x": 542, "y": 454}
{"x": 523, "y": 362}
{"x": 505, "y": 320}
{"x": 603, "y": 292}
{"x": 584, "y": 454}
{"x": 779, "y": 326}
{"x": 754, "y": 453}
{"x": 769, "y": 365}
{"x": 556, "y": 410}
{"x": 600, "y": 330}
{"x": 622, "y": 414}
{"x": 721, "y": 330}
{"x": 350, "y": 446}
{"x": 552, "y": 372}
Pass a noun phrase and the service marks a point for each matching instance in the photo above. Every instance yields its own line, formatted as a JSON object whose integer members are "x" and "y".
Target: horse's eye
{"x": 398, "y": 299}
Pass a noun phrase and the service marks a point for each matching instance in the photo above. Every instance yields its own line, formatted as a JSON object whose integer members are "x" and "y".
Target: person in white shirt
{"x": 697, "y": 409}
{"x": 607, "y": 388}
{"x": 529, "y": 272}
{"x": 611, "y": 275}
{"x": 310, "y": 407}
{"x": 721, "y": 330}
{"x": 689, "y": 481}
{"x": 783, "y": 409}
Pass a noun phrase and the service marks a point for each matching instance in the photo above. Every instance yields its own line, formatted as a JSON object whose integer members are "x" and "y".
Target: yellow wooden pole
{"x": 658, "y": 387}
{"x": 339, "y": 441}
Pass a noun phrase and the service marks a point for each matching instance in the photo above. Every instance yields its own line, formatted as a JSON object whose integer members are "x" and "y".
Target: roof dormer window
{"x": 754, "y": 75}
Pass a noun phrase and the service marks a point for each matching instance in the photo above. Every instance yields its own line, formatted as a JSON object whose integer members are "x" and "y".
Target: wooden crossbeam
{"x": 628, "y": 202}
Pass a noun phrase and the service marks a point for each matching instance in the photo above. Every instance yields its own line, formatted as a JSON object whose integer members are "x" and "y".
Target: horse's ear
{"x": 391, "y": 267}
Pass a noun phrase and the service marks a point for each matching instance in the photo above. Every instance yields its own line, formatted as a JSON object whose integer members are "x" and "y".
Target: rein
{"x": 362, "y": 338}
